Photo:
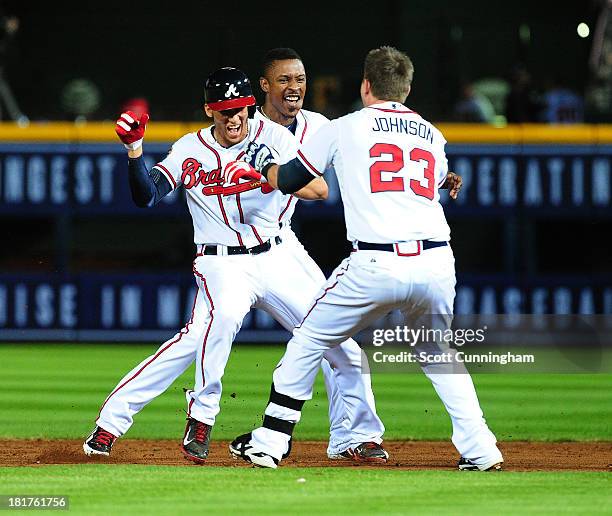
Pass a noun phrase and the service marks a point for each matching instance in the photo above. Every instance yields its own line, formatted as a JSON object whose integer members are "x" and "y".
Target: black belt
{"x": 242, "y": 249}
{"x": 426, "y": 244}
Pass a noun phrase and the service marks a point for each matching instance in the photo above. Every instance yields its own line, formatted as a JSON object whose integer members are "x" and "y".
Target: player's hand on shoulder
{"x": 130, "y": 129}
{"x": 258, "y": 155}
{"x": 234, "y": 171}
{"x": 453, "y": 183}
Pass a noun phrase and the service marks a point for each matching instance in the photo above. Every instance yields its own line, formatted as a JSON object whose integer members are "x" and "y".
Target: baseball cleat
{"x": 469, "y": 465}
{"x": 241, "y": 448}
{"x": 365, "y": 452}
{"x": 99, "y": 442}
{"x": 196, "y": 441}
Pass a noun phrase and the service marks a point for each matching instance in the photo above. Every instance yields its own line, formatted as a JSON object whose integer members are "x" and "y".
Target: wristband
{"x": 134, "y": 145}
{"x": 264, "y": 171}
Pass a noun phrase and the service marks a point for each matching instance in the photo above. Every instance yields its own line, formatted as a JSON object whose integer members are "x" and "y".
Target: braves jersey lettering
{"x": 248, "y": 216}
{"x": 281, "y": 280}
{"x": 194, "y": 175}
{"x": 402, "y": 125}
{"x": 389, "y": 169}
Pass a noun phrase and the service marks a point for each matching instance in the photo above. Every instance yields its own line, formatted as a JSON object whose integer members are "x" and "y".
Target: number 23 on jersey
{"x": 396, "y": 164}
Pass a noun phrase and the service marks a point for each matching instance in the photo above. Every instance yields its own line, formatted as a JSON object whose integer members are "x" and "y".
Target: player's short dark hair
{"x": 277, "y": 54}
{"x": 389, "y": 72}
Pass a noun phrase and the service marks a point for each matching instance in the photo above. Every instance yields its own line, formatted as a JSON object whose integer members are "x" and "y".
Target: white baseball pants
{"x": 365, "y": 287}
{"x": 282, "y": 282}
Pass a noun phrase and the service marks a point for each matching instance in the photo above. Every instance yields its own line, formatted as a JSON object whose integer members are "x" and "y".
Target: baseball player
{"x": 390, "y": 164}
{"x": 283, "y": 82}
{"x": 241, "y": 262}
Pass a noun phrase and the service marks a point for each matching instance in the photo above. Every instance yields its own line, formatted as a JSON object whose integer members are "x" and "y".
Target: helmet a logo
{"x": 231, "y": 91}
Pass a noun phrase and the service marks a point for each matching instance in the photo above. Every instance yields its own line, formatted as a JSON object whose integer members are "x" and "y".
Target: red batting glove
{"x": 131, "y": 129}
{"x": 234, "y": 171}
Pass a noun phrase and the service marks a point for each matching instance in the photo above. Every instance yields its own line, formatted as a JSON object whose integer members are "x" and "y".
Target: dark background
{"x": 164, "y": 50}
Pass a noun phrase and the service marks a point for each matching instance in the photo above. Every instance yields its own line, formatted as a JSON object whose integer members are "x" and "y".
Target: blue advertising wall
{"x": 500, "y": 180}
{"x": 91, "y": 179}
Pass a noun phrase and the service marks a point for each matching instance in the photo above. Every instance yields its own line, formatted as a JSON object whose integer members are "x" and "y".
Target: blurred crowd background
{"x": 476, "y": 61}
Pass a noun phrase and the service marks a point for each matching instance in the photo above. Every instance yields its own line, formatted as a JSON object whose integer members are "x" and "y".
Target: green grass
{"x": 95, "y": 489}
{"x": 56, "y": 390}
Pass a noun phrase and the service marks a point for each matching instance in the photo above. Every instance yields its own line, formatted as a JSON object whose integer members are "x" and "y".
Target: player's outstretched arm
{"x": 315, "y": 190}
{"x": 147, "y": 187}
{"x": 294, "y": 178}
{"x": 291, "y": 178}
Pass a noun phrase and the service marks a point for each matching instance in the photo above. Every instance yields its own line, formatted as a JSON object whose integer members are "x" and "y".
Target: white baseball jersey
{"x": 308, "y": 123}
{"x": 281, "y": 281}
{"x": 390, "y": 163}
{"x": 394, "y": 161}
{"x": 249, "y": 218}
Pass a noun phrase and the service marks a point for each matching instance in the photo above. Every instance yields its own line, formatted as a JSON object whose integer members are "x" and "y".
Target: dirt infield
{"x": 410, "y": 455}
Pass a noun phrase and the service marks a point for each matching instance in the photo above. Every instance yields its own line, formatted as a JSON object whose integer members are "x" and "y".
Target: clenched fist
{"x": 234, "y": 171}
{"x": 131, "y": 129}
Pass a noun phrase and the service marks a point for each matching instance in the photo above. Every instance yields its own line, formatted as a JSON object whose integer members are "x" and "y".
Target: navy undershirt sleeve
{"x": 293, "y": 176}
{"x": 147, "y": 187}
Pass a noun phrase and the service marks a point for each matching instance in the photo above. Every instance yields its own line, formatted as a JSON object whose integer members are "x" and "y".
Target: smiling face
{"x": 231, "y": 125}
{"x": 284, "y": 84}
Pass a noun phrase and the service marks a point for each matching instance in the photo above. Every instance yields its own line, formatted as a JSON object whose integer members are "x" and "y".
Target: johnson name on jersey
{"x": 390, "y": 163}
